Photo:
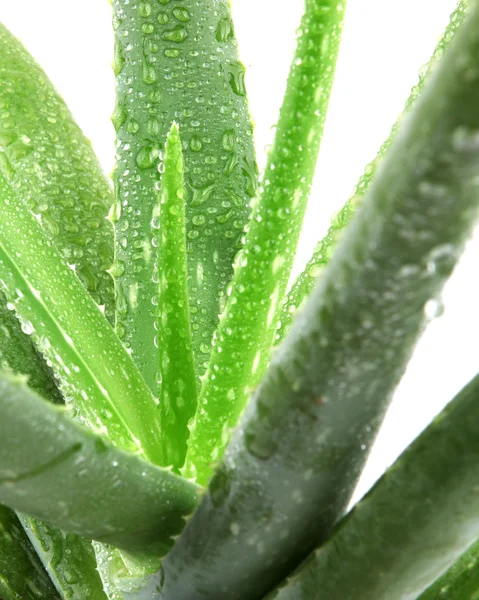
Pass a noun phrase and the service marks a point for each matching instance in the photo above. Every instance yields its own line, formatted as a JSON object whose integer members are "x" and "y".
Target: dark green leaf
{"x": 416, "y": 521}
{"x": 22, "y": 576}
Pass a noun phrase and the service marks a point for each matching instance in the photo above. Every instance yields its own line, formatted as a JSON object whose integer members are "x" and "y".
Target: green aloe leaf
{"x": 22, "y": 576}
{"x": 416, "y": 521}
{"x": 51, "y": 164}
{"x": 18, "y": 354}
{"x": 178, "y": 382}
{"x": 94, "y": 370}
{"x": 305, "y": 282}
{"x": 293, "y": 462}
{"x": 68, "y": 559}
{"x": 179, "y": 62}
{"x": 67, "y": 476}
{"x": 460, "y": 582}
{"x": 246, "y": 332}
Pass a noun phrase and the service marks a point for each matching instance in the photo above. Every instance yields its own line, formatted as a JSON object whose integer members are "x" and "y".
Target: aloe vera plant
{"x": 175, "y": 423}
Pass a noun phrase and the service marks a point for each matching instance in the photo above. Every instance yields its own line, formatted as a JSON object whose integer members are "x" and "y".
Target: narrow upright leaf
{"x": 248, "y": 325}
{"x": 294, "y": 460}
{"x": 416, "y": 521}
{"x": 22, "y": 576}
{"x": 305, "y": 282}
{"x": 94, "y": 369}
{"x": 179, "y": 62}
{"x": 51, "y": 164}
{"x": 71, "y": 478}
{"x": 177, "y": 369}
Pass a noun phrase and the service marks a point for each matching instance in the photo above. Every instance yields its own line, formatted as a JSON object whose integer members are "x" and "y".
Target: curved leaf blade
{"x": 51, "y": 164}
{"x": 92, "y": 366}
{"x": 65, "y": 475}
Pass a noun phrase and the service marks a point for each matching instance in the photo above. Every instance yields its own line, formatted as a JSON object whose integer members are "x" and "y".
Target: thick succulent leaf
{"x": 246, "y": 332}
{"x": 92, "y": 366}
{"x": 293, "y": 463}
{"x": 49, "y": 161}
{"x": 67, "y": 476}
{"x": 178, "y": 383}
{"x": 22, "y": 576}
{"x": 415, "y": 522}
{"x": 460, "y": 582}
{"x": 68, "y": 559}
{"x": 179, "y": 62}
{"x": 305, "y": 282}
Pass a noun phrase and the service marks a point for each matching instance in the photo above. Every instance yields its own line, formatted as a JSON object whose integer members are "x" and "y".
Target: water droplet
{"x": 198, "y": 220}
{"x": 262, "y": 447}
{"x": 144, "y": 8}
{"x": 196, "y": 144}
{"x": 147, "y": 157}
{"x": 119, "y": 58}
{"x": 236, "y": 78}
{"x": 433, "y": 309}
{"x": 119, "y": 116}
{"x": 153, "y": 126}
{"x": 201, "y": 195}
{"x": 224, "y": 31}
{"x": 178, "y": 35}
{"x": 117, "y": 269}
{"x": 27, "y": 327}
{"x": 229, "y": 140}
{"x": 225, "y": 217}
{"x": 149, "y": 74}
{"x": 182, "y": 14}
{"x": 172, "y": 52}
{"x": 441, "y": 259}
{"x": 147, "y": 28}
{"x": 132, "y": 126}
{"x": 163, "y": 18}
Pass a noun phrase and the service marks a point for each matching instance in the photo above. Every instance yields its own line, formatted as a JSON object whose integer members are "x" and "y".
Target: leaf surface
{"x": 61, "y": 473}
{"x": 179, "y": 62}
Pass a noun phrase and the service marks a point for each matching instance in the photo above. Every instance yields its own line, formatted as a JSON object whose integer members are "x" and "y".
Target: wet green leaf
{"x": 63, "y": 474}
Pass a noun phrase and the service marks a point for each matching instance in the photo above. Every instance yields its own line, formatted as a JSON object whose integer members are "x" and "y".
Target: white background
{"x": 384, "y": 44}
